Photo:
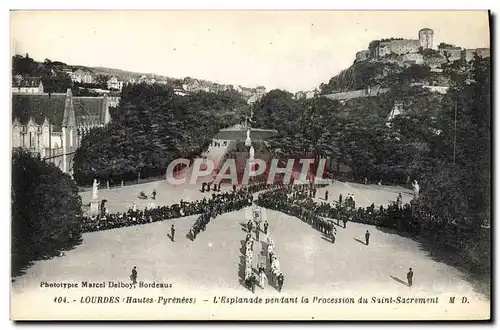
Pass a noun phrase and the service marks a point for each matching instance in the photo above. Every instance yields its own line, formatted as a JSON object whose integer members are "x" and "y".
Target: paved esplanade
{"x": 121, "y": 198}
{"x": 312, "y": 265}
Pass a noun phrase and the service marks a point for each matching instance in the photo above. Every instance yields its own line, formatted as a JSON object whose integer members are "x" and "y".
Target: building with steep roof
{"x": 52, "y": 125}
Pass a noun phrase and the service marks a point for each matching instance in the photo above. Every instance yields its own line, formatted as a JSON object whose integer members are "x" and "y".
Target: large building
{"x": 27, "y": 85}
{"x": 84, "y": 76}
{"x": 114, "y": 83}
{"x": 52, "y": 125}
{"x": 406, "y": 46}
{"x": 409, "y": 51}
{"x": 399, "y": 46}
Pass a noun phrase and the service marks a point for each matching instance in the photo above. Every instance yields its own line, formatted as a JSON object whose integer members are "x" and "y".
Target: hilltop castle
{"x": 411, "y": 50}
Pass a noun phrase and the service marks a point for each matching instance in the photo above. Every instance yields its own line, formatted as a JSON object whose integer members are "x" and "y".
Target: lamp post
{"x": 455, "y": 136}
{"x": 50, "y": 130}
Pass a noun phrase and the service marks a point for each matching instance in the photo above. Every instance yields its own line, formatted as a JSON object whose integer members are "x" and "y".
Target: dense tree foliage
{"x": 54, "y": 80}
{"x": 151, "y": 127}
{"x": 445, "y": 45}
{"x": 46, "y": 210}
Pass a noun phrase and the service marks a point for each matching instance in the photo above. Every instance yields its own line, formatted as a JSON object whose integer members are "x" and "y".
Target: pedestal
{"x": 94, "y": 206}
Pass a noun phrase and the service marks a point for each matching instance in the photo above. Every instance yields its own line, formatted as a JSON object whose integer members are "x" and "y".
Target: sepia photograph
{"x": 250, "y": 165}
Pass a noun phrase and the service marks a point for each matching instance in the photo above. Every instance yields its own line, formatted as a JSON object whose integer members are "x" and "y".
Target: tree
{"x": 155, "y": 126}
{"x": 58, "y": 83}
{"x": 101, "y": 80}
{"x": 46, "y": 210}
{"x": 445, "y": 45}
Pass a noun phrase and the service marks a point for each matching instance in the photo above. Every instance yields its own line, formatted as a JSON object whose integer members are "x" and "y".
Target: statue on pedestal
{"x": 252, "y": 153}
{"x": 248, "y": 141}
{"x": 416, "y": 189}
{"x": 95, "y": 187}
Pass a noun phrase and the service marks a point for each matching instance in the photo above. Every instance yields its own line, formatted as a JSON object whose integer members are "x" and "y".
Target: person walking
{"x": 253, "y": 282}
{"x": 409, "y": 276}
{"x": 133, "y": 276}
{"x": 326, "y": 195}
{"x": 249, "y": 226}
{"x": 367, "y": 237}
{"x": 281, "y": 280}
{"x": 172, "y": 233}
{"x": 266, "y": 226}
{"x": 262, "y": 275}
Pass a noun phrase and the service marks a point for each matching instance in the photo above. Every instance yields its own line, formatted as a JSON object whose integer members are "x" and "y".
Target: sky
{"x": 290, "y": 50}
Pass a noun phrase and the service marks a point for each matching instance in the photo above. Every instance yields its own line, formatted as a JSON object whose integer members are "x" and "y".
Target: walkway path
{"x": 208, "y": 267}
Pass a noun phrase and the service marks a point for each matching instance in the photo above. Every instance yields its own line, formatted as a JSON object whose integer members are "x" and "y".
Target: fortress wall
{"x": 398, "y": 47}
{"x": 357, "y": 93}
{"x": 347, "y": 95}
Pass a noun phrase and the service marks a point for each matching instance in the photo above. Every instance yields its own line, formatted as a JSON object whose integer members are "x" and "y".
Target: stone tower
{"x": 425, "y": 36}
{"x": 69, "y": 135}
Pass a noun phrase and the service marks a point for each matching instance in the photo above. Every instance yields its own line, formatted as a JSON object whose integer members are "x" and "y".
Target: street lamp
{"x": 455, "y": 136}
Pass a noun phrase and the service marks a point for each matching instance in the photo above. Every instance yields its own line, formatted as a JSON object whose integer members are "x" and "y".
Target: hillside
{"x": 56, "y": 77}
{"x": 383, "y": 74}
{"x": 117, "y": 72}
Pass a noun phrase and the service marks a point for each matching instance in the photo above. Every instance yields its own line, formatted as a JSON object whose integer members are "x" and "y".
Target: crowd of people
{"x": 250, "y": 278}
{"x": 277, "y": 276}
{"x": 138, "y": 217}
{"x": 207, "y": 208}
{"x": 218, "y": 144}
{"x": 271, "y": 258}
{"x": 219, "y": 204}
{"x": 297, "y": 201}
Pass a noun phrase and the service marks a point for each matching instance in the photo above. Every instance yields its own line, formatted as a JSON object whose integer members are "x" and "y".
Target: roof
{"x": 87, "y": 110}
{"x": 27, "y": 82}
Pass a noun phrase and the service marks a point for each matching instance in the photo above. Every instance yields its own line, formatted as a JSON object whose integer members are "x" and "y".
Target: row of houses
{"x": 34, "y": 86}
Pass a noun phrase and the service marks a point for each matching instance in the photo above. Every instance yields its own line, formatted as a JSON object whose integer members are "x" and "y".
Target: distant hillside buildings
{"x": 412, "y": 50}
{"x": 27, "y": 85}
{"x": 114, "y": 83}
{"x": 84, "y": 76}
{"x": 304, "y": 95}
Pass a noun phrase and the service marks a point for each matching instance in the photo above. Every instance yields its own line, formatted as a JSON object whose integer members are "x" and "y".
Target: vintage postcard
{"x": 250, "y": 165}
